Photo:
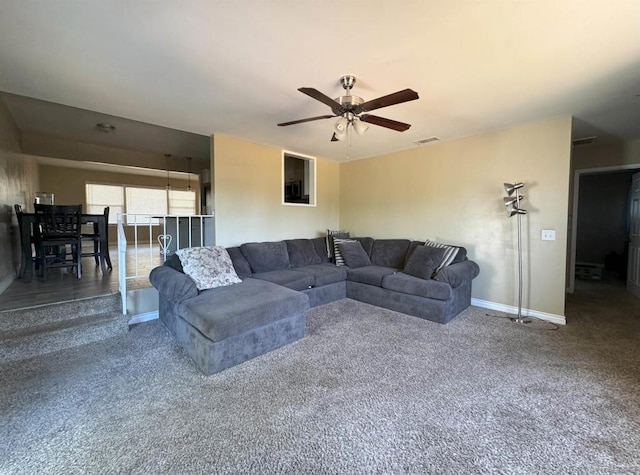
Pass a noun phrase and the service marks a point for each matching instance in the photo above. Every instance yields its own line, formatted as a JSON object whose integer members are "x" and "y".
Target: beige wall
{"x": 18, "y": 183}
{"x": 452, "y": 192}
{"x": 248, "y": 195}
{"x": 631, "y": 152}
{"x": 605, "y": 155}
{"x": 46, "y": 146}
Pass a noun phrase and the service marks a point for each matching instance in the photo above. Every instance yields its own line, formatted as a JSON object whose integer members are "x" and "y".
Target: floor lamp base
{"x": 521, "y": 320}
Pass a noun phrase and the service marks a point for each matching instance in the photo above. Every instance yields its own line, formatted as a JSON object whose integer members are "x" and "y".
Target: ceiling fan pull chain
{"x": 348, "y": 141}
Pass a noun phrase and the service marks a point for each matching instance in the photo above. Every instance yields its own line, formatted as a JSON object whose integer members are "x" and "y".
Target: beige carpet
{"x": 366, "y": 391}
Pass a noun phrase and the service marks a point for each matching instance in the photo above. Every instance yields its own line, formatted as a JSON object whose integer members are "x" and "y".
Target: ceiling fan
{"x": 349, "y": 109}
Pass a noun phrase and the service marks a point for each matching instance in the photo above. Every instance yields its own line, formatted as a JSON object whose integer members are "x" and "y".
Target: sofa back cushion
{"x": 243, "y": 269}
{"x": 266, "y": 256}
{"x": 389, "y": 252}
{"x": 302, "y": 252}
{"x": 320, "y": 245}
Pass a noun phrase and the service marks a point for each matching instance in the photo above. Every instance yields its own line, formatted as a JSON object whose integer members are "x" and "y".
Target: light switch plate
{"x": 548, "y": 234}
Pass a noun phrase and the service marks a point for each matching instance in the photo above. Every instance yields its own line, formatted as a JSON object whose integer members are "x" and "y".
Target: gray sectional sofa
{"x": 281, "y": 280}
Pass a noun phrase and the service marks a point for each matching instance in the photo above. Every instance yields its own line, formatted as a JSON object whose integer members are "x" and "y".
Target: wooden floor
{"x": 62, "y": 287}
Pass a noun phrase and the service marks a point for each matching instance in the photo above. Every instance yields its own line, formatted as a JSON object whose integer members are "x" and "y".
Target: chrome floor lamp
{"x": 512, "y": 202}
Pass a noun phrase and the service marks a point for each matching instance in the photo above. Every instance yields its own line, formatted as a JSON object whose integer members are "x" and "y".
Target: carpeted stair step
{"x": 12, "y": 320}
{"x": 35, "y": 340}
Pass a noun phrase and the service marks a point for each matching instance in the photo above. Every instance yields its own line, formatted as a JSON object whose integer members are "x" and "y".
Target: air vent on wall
{"x": 584, "y": 141}
{"x": 428, "y": 140}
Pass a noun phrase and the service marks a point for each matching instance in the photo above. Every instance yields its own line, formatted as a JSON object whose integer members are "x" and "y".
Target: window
{"x": 138, "y": 200}
{"x": 298, "y": 179}
{"x": 101, "y": 196}
{"x": 182, "y": 202}
{"x": 151, "y": 201}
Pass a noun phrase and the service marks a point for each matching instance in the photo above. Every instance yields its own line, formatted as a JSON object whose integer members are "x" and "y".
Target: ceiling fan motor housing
{"x": 349, "y": 102}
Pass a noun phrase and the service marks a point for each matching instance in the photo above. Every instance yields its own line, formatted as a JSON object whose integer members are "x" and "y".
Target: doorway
{"x": 600, "y": 226}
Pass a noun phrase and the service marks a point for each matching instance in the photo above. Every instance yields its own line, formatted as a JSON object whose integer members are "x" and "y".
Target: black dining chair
{"x": 58, "y": 226}
{"x": 23, "y": 240}
{"x": 97, "y": 238}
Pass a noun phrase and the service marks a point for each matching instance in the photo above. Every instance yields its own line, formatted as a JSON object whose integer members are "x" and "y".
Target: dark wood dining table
{"x": 29, "y": 220}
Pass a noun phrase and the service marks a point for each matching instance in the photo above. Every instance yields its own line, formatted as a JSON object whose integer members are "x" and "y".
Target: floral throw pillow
{"x": 208, "y": 266}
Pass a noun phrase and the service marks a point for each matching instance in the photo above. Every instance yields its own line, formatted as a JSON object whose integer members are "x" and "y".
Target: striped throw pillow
{"x": 331, "y": 234}
{"x": 449, "y": 256}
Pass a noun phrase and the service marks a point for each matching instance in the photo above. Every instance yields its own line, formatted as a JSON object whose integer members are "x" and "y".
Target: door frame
{"x": 574, "y": 212}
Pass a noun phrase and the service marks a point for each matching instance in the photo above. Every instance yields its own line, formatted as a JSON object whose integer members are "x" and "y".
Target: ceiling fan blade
{"x": 283, "y": 124}
{"x": 382, "y": 122}
{"x": 405, "y": 95}
{"x": 318, "y": 96}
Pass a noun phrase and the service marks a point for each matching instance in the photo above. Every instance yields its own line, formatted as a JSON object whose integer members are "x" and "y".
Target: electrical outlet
{"x": 548, "y": 234}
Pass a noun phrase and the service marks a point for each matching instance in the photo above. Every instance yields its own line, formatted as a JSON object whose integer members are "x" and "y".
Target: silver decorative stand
{"x": 512, "y": 202}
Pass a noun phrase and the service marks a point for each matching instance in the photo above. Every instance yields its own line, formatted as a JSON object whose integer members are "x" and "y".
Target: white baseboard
{"x": 499, "y": 307}
{"x": 143, "y": 317}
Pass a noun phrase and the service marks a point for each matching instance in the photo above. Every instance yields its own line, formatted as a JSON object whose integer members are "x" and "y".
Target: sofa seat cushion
{"x": 287, "y": 278}
{"x": 371, "y": 275}
{"x": 408, "y": 284}
{"x": 235, "y": 309}
{"x": 324, "y": 274}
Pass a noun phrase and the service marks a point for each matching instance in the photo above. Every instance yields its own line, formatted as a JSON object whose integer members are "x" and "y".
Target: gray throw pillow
{"x": 353, "y": 254}
{"x": 424, "y": 261}
{"x": 337, "y": 255}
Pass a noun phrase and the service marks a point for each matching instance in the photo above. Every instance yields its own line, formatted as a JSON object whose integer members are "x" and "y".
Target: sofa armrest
{"x": 457, "y": 274}
{"x": 172, "y": 284}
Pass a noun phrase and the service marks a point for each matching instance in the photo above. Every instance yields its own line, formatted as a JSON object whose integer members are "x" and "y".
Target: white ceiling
{"x": 233, "y": 67}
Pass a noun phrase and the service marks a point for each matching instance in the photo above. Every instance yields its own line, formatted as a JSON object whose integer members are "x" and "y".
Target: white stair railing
{"x": 164, "y": 235}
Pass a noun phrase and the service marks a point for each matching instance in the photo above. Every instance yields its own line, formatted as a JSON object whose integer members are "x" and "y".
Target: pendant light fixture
{"x": 167, "y": 156}
{"x": 189, "y": 173}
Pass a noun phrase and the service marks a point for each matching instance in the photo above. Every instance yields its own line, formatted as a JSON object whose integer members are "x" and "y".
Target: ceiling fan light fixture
{"x": 340, "y": 127}
{"x": 359, "y": 126}
{"x": 340, "y": 135}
